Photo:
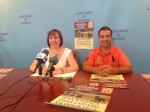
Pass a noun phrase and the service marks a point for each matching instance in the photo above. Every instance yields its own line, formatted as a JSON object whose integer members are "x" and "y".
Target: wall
{"x": 24, "y": 25}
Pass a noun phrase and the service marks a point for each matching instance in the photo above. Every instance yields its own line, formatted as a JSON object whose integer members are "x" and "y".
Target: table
{"x": 134, "y": 99}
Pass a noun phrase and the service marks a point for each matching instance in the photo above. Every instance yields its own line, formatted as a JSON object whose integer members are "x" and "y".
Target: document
{"x": 70, "y": 74}
{"x": 2, "y": 75}
{"x": 146, "y": 77}
{"x": 6, "y": 70}
{"x": 83, "y": 97}
{"x": 111, "y": 81}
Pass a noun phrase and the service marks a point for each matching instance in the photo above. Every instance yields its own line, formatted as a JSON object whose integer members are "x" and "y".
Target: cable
{"x": 13, "y": 85}
{"x": 16, "y": 103}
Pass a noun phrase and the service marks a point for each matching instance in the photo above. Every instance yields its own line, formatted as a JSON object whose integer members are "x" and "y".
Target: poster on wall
{"x": 84, "y": 35}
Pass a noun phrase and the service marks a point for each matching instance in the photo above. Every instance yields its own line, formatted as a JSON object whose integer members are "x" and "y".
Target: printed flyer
{"x": 84, "y": 98}
{"x": 84, "y": 35}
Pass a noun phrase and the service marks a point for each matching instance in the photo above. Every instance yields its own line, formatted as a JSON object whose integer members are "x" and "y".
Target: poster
{"x": 84, "y": 35}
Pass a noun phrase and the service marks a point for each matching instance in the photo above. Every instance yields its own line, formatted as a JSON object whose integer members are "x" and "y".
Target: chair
{"x": 75, "y": 54}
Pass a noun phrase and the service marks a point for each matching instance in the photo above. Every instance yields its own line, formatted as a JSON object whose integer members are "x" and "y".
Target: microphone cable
{"x": 17, "y": 102}
{"x": 14, "y": 84}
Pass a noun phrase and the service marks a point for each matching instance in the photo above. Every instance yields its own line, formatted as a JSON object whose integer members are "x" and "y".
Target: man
{"x": 107, "y": 59}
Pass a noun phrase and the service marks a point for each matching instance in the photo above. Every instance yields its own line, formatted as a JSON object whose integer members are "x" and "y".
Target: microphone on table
{"x": 41, "y": 58}
{"x": 52, "y": 61}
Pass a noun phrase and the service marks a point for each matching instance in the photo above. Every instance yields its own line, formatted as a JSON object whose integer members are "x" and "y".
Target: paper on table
{"x": 2, "y": 75}
{"x": 70, "y": 74}
{"x": 36, "y": 74}
{"x": 146, "y": 77}
{"x": 5, "y": 70}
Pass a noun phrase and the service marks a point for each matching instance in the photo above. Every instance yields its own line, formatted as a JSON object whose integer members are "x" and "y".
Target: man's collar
{"x": 100, "y": 51}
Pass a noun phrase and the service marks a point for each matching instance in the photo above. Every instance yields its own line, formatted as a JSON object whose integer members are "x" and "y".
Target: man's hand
{"x": 106, "y": 70}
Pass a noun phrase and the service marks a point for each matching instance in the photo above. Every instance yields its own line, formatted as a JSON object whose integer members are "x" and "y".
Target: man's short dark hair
{"x": 104, "y": 28}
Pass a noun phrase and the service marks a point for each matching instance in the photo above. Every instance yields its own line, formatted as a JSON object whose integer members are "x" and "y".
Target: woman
{"x": 66, "y": 61}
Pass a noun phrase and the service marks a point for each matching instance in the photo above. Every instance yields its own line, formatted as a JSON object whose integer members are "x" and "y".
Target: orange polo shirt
{"x": 116, "y": 57}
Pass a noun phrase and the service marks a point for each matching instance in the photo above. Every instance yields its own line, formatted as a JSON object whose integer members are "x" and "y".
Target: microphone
{"x": 41, "y": 58}
{"x": 52, "y": 61}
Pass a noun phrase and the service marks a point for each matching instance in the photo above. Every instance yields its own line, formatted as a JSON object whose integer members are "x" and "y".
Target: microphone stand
{"x": 40, "y": 70}
{"x": 51, "y": 71}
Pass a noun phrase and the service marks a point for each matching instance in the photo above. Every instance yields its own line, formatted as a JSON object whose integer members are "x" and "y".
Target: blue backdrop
{"x": 24, "y": 25}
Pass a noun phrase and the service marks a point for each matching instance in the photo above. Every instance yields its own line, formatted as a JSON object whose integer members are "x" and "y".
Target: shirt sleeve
{"x": 123, "y": 59}
{"x": 90, "y": 58}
